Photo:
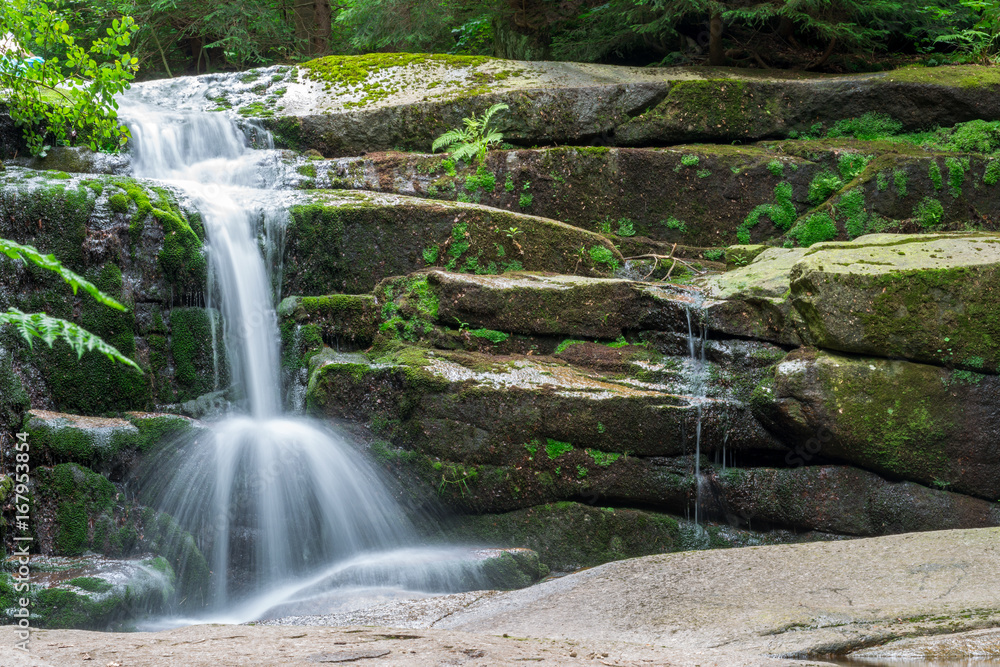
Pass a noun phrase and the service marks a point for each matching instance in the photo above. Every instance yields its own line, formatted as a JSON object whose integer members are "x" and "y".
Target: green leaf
{"x": 51, "y": 329}
{"x": 50, "y": 263}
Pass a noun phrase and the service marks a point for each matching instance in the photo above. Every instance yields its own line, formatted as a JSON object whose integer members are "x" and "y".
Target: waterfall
{"x": 275, "y": 503}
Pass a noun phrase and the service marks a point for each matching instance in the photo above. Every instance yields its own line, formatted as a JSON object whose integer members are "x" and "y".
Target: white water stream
{"x": 283, "y": 510}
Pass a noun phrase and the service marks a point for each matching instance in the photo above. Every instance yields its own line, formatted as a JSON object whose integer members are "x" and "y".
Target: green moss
{"x": 991, "y": 175}
{"x": 570, "y": 535}
{"x": 554, "y": 448}
{"x": 481, "y": 179}
{"x": 566, "y": 343}
{"x": 118, "y": 203}
{"x": 869, "y": 126}
{"x": 307, "y": 170}
{"x": 851, "y": 165}
{"x": 602, "y": 255}
{"x": 899, "y": 179}
{"x": 851, "y": 209}
{"x": 490, "y": 335}
{"x": 899, "y": 418}
{"x": 91, "y": 584}
{"x": 191, "y": 349}
{"x": 80, "y": 496}
{"x": 353, "y": 74}
{"x": 934, "y": 173}
{"x": 962, "y": 76}
{"x": 814, "y": 229}
{"x": 525, "y": 200}
{"x": 929, "y": 211}
{"x": 675, "y": 224}
{"x": 823, "y": 184}
{"x": 430, "y": 255}
{"x": 603, "y": 459}
{"x": 782, "y": 213}
{"x": 777, "y": 168}
{"x": 410, "y": 308}
{"x": 93, "y": 384}
{"x": 956, "y": 175}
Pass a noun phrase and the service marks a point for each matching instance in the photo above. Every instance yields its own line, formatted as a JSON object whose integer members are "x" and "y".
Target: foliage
{"x": 626, "y": 227}
{"x": 929, "y": 212}
{"x": 823, "y": 184}
{"x": 869, "y": 126}
{"x": 50, "y": 329}
{"x": 971, "y": 28}
{"x": 471, "y": 142}
{"x": 71, "y": 92}
{"x": 814, "y": 229}
{"x": 782, "y": 212}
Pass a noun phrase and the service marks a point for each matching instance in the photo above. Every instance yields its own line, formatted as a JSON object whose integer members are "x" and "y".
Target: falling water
{"x": 274, "y": 502}
{"x": 696, "y": 351}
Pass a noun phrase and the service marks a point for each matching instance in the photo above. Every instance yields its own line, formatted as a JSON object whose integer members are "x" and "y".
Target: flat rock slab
{"x": 725, "y": 607}
{"x": 786, "y": 599}
{"x": 214, "y": 645}
{"x": 537, "y": 304}
{"x": 974, "y": 644}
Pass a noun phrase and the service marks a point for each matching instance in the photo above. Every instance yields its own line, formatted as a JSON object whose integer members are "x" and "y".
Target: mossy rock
{"x": 569, "y": 535}
{"x": 90, "y": 593}
{"x": 479, "y": 409}
{"x": 752, "y": 300}
{"x": 347, "y": 105}
{"x": 349, "y": 320}
{"x": 560, "y": 305}
{"x": 132, "y": 240}
{"x": 572, "y": 535}
{"x": 728, "y": 105}
{"x": 919, "y": 422}
{"x": 682, "y": 194}
{"x": 348, "y": 241}
{"x": 838, "y": 499}
{"x": 926, "y": 298}
{"x": 108, "y": 445}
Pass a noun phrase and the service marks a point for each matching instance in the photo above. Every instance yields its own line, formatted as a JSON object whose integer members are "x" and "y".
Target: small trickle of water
{"x": 696, "y": 350}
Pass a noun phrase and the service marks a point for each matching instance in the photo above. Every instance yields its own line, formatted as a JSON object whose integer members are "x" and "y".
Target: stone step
{"x": 345, "y": 241}
{"x": 480, "y": 408}
{"x": 923, "y": 297}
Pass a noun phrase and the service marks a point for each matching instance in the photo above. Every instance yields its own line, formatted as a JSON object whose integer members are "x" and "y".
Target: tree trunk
{"x": 716, "y": 54}
{"x": 313, "y": 25}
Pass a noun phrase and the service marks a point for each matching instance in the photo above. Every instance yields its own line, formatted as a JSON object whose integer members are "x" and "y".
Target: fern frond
{"x": 50, "y": 263}
{"x": 492, "y": 111}
{"x": 51, "y": 329}
{"x": 466, "y": 151}
{"x": 447, "y": 139}
{"x": 493, "y": 137}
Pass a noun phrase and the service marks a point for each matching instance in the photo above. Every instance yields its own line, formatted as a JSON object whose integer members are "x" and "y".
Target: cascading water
{"x": 696, "y": 352}
{"x": 279, "y": 506}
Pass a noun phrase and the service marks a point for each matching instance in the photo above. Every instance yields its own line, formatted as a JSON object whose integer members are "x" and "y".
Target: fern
{"x": 471, "y": 142}
{"x": 49, "y": 262}
{"x": 51, "y": 329}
